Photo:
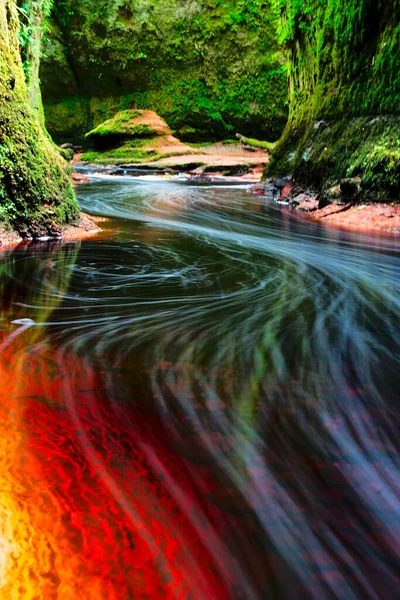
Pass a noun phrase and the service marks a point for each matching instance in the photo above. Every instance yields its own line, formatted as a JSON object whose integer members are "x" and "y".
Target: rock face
{"x": 36, "y": 196}
{"x": 344, "y": 94}
{"x": 208, "y": 68}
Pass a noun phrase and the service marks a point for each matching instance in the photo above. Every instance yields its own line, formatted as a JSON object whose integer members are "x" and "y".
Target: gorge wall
{"x": 36, "y": 196}
{"x": 344, "y": 68}
{"x": 210, "y": 68}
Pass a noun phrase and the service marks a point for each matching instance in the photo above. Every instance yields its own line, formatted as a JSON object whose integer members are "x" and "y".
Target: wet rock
{"x": 320, "y": 124}
{"x": 324, "y": 200}
{"x": 78, "y": 178}
{"x": 71, "y": 147}
{"x": 266, "y": 188}
{"x": 296, "y": 190}
{"x": 258, "y": 189}
{"x": 281, "y": 183}
{"x": 55, "y": 231}
{"x": 237, "y": 170}
{"x": 334, "y": 192}
{"x": 200, "y": 179}
{"x": 118, "y": 172}
{"x": 350, "y": 187}
{"x": 306, "y": 202}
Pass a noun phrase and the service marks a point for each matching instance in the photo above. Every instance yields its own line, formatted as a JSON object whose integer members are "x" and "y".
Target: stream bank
{"x": 86, "y": 226}
{"x": 206, "y": 161}
{"x": 345, "y": 212}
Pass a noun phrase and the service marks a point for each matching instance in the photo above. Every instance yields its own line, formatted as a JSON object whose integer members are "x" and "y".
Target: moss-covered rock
{"x": 36, "y": 196}
{"x": 207, "y": 67}
{"x": 132, "y": 136}
{"x": 128, "y": 124}
{"x": 329, "y": 151}
{"x": 344, "y": 94}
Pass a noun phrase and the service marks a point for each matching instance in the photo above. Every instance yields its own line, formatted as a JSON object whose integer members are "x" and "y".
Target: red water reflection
{"x": 84, "y": 513}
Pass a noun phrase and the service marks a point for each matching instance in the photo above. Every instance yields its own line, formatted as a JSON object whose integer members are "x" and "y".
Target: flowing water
{"x": 201, "y": 404}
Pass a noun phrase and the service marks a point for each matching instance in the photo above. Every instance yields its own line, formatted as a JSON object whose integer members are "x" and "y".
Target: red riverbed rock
{"x": 370, "y": 216}
{"x": 381, "y": 217}
{"x": 85, "y": 227}
{"x": 78, "y": 178}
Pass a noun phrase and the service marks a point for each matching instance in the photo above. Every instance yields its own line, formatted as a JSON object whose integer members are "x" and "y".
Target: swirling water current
{"x": 201, "y": 404}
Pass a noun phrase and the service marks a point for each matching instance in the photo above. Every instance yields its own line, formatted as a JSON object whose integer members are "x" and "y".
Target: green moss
{"x": 35, "y": 192}
{"x": 123, "y": 124}
{"x": 132, "y": 151}
{"x": 362, "y": 147}
{"x": 71, "y": 119}
{"x": 131, "y": 136}
{"x": 377, "y": 161}
{"x": 344, "y": 93}
{"x": 66, "y": 153}
{"x": 128, "y": 152}
{"x": 343, "y": 55}
{"x": 256, "y": 143}
{"x": 200, "y": 144}
{"x": 208, "y": 68}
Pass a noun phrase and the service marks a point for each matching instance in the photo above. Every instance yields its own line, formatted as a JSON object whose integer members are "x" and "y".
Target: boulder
{"x": 128, "y": 125}
{"x": 133, "y": 136}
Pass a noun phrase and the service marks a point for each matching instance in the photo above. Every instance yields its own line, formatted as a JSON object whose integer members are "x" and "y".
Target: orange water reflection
{"x": 82, "y": 514}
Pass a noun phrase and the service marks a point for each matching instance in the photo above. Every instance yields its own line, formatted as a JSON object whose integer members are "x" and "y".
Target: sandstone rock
{"x": 128, "y": 124}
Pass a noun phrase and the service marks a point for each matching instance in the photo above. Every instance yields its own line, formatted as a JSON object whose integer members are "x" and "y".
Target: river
{"x": 201, "y": 404}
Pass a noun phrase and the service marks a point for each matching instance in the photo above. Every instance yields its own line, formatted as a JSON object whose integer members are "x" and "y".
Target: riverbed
{"x": 201, "y": 403}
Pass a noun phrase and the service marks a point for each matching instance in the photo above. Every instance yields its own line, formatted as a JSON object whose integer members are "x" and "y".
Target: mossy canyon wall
{"x": 210, "y": 68}
{"x": 344, "y": 70}
{"x": 36, "y": 197}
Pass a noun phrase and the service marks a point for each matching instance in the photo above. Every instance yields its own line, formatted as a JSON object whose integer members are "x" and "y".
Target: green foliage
{"x": 209, "y": 65}
{"x": 132, "y": 151}
{"x": 71, "y": 119}
{"x": 344, "y": 54}
{"x": 31, "y": 14}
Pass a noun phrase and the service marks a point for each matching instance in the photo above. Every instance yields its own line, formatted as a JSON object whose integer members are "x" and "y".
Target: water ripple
{"x": 251, "y": 361}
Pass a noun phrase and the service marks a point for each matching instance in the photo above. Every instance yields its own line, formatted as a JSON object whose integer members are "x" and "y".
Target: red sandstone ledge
{"x": 374, "y": 217}
{"x": 87, "y": 226}
{"x": 367, "y": 217}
